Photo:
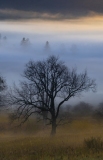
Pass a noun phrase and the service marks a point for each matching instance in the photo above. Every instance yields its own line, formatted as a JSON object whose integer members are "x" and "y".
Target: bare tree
{"x": 3, "y": 86}
{"x": 25, "y": 42}
{"x": 47, "y": 85}
{"x": 47, "y": 47}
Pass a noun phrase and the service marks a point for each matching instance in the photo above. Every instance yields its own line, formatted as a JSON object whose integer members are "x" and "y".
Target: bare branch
{"x": 44, "y": 82}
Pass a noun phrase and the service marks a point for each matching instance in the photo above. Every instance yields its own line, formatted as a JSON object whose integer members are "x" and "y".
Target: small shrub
{"x": 94, "y": 143}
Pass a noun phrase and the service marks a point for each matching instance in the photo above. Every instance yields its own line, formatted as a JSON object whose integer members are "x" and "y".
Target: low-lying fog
{"x": 83, "y": 50}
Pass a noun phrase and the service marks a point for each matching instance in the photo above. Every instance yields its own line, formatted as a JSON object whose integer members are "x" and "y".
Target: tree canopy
{"x": 47, "y": 82}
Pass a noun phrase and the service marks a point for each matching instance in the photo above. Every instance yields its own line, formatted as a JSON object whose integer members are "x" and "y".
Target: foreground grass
{"x": 75, "y": 141}
{"x": 39, "y": 148}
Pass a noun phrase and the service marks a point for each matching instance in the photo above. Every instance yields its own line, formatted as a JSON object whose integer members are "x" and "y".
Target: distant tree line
{"x": 82, "y": 109}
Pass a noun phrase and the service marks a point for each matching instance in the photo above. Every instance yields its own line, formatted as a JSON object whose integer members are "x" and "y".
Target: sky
{"x": 73, "y": 28}
{"x": 59, "y": 9}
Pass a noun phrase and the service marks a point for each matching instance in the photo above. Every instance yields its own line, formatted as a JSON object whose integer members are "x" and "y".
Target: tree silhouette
{"x": 47, "y": 82}
{"x": 3, "y": 86}
{"x": 47, "y": 47}
{"x": 25, "y": 42}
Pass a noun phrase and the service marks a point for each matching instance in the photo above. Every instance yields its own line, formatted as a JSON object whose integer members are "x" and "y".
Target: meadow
{"x": 81, "y": 139}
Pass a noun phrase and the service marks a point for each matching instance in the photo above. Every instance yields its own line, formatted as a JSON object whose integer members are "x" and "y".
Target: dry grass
{"x": 77, "y": 140}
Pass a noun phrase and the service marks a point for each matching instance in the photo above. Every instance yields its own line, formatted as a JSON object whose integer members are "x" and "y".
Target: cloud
{"x": 16, "y": 14}
{"x": 55, "y": 9}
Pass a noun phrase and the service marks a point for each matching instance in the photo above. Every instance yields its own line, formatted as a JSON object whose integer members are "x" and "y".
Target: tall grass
{"x": 82, "y": 139}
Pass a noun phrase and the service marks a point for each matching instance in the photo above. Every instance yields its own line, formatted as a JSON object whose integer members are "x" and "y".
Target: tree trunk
{"x": 53, "y": 131}
{"x": 53, "y": 118}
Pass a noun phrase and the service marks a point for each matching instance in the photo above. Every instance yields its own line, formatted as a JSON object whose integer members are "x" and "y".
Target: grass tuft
{"x": 94, "y": 143}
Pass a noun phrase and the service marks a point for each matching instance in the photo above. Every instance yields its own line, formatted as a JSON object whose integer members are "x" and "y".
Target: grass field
{"x": 82, "y": 139}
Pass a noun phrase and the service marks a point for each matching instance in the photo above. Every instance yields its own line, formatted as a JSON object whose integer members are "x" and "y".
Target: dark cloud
{"x": 66, "y": 8}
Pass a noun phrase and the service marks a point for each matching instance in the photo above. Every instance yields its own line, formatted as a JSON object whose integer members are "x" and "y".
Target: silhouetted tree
{"x": 3, "y": 86}
{"x": 46, "y": 83}
{"x": 47, "y": 46}
{"x": 25, "y": 42}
